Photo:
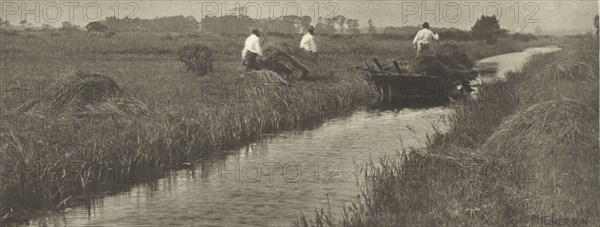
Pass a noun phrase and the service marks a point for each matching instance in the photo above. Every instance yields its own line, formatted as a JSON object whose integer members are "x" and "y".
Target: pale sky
{"x": 514, "y": 15}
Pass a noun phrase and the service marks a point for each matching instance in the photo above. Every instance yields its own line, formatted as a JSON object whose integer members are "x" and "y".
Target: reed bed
{"x": 96, "y": 152}
{"x": 552, "y": 148}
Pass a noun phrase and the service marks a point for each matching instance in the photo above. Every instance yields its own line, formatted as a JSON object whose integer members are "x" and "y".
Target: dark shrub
{"x": 197, "y": 58}
{"x": 96, "y": 27}
{"x": 491, "y": 40}
{"x": 485, "y": 27}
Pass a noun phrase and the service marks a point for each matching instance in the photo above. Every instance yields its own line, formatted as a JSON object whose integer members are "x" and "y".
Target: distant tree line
{"x": 290, "y": 24}
{"x": 408, "y": 32}
{"x": 485, "y": 28}
{"x": 231, "y": 24}
{"x": 159, "y": 24}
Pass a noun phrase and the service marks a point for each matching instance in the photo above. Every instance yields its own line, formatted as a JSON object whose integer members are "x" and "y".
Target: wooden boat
{"x": 398, "y": 83}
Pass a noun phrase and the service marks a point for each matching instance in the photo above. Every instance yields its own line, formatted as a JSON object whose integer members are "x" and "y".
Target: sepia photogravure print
{"x": 299, "y": 113}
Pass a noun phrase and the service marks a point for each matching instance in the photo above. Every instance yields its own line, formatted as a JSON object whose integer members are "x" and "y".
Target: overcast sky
{"x": 514, "y": 15}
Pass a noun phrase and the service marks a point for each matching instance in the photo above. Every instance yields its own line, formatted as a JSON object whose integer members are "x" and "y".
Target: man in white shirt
{"x": 308, "y": 41}
{"x": 423, "y": 39}
{"x": 252, "y": 50}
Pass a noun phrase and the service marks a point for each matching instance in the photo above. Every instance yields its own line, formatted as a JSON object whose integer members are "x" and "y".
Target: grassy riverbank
{"x": 48, "y": 161}
{"x": 525, "y": 153}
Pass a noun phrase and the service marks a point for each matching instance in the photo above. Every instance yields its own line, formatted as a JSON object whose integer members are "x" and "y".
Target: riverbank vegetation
{"x": 524, "y": 153}
{"x": 50, "y": 158}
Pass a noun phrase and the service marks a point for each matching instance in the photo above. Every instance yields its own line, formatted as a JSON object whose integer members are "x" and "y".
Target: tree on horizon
{"x": 305, "y": 23}
{"x": 325, "y": 26}
{"x": 353, "y": 26}
{"x": 340, "y": 20}
{"x": 67, "y": 26}
{"x": 372, "y": 28}
{"x": 486, "y": 28}
{"x": 596, "y": 24}
{"x": 96, "y": 26}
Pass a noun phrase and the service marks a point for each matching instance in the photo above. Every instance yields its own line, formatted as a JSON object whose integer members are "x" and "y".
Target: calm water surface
{"x": 497, "y": 66}
{"x": 268, "y": 183}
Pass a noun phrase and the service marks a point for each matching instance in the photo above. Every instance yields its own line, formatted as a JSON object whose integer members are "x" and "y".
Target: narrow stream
{"x": 269, "y": 183}
{"x": 495, "y": 67}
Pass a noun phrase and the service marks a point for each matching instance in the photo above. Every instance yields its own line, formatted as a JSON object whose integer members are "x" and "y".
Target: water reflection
{"x": 399, "y": 103}
{"x": 269, "y": 182}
